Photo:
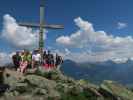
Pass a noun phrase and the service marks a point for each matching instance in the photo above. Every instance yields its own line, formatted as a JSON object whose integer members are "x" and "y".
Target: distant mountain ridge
{"x": 97, "y": 72}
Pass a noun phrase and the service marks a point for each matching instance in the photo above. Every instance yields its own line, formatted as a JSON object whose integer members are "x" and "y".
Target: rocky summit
{"x": 37, "y": 84}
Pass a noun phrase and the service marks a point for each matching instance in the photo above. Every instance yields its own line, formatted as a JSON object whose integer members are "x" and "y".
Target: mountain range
{"x": 99, "y": 71}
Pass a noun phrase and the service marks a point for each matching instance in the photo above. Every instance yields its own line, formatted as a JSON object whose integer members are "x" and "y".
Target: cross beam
{"x": 48, "y": 26}
{"x": 41, "y": 26}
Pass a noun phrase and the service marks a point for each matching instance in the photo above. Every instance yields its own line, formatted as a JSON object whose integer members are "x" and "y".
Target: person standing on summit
{"x": 36, "y": 59}
{"x": 16, "y": 60}
{"x": 24, "y": 62}
{"x": 59, "y": 61}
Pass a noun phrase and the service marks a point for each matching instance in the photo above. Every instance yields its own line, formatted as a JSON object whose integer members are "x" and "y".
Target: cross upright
{"x": 41, "y": 26}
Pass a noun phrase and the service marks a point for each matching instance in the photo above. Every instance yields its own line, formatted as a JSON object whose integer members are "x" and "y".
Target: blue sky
{"x": 105, "y": 15}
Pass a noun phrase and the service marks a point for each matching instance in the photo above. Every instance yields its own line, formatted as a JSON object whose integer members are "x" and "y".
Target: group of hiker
{"x": 25, "y": 59}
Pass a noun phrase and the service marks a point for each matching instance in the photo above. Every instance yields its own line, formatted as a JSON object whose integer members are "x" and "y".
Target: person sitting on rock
{"x": 16, "y": 60}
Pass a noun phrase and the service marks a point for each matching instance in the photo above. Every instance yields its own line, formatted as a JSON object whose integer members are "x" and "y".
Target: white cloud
{"x": 4, "y": 59}
{"x": 118, "y": 60}
{"x": 102, "y": 46}
{"x": 67, "y": 51}
{"x": 94, "y": 57}
{"x": 18, "y": 36}
{"x": 121, "y": 25}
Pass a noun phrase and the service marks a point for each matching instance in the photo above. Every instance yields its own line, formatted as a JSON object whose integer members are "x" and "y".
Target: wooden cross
{"x": 41, "y": 26}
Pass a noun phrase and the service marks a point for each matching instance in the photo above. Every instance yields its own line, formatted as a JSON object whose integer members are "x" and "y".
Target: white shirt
{"x": 36, "y": 57}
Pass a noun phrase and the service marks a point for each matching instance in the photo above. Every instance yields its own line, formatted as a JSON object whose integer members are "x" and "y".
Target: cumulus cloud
{"x": 18, "y": 36}
{"x": 121, "y": 25}
{"x": 102, "y": 46}
{"x": 4, "y": 59}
